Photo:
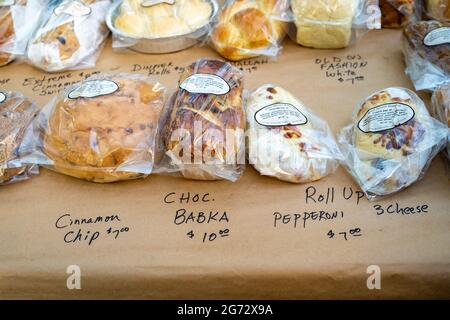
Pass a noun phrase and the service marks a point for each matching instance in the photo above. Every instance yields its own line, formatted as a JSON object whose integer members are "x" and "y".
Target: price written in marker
{"x": 196, "y": 218}
{"x": 344, "y": 235}
{"x": 344, "y": 69}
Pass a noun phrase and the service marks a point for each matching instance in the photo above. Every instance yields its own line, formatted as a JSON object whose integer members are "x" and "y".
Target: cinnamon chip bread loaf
{"x": 101, "y": 130}
{"x": 204, "y": 134}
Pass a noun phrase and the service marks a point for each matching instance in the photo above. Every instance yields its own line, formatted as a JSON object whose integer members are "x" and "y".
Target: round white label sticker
{"x": 73, "y": 8}
{"x": 205, "y": 83}
{"x": 385, "y": 117}
{"x": 4, "y": 3}
{"x": 280, "y": 114}
{"x": 94, "y": 88}
{"x": 437, "y": 37}
{"x": 2, "y": 97}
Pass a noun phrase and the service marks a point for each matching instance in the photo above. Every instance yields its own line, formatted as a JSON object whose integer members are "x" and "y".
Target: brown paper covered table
{"x": 254, "y": 247}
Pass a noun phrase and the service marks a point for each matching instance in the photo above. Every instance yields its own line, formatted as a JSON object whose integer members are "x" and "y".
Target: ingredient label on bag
{"x": 73, "y": 8}
{"x": 2, "y": 97}
{"x": 206, "y": 84}
{"x": 94, "y": 88}
{"x": 280, "y": 114}
{"x": 437, "y": 37}
{"x": 385, "y": 117}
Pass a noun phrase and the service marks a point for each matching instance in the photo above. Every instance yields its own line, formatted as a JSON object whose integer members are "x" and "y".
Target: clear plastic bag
{"x": 71, "y": 36}
{"x": 18, "y": 21}
{"x": 391, "y": 141}
{"x": 438, "y": 9}
{"x": 102, "y": 129}
{"x": 160, "y": 26}
{"x": 203, "y": 135}
{"x": 333, "y": 24}
{"x": 16, "y": 113}
{"x": 286, "y": 140}
{"x": 246, "y": 29}
{"x": 440, "y": 103}
{"x": 426, "y": 49}
{"x": 398, "y": 13}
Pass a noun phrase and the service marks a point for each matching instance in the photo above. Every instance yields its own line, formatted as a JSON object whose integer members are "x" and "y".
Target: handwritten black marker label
{"x": 91, "y": 229}
{"x": 397, "y": 209}
{"x": 204, "y": 223}
{"x": 344, "y": 69}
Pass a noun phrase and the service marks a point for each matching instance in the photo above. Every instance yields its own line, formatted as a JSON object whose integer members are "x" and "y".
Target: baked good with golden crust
{"x": 71, "y": 37}
{"x": 249, "y": 28}
{"x": 397, "y": 13}
{"x": 204, "y": 134}
{"x": 441, "y": 110}
{"x": 391, "y": 142}
{"x": 324, "y": 24}
{"x": 286, "y": 140}
{"x": 438, "y": 9}
{"x": 104, "y": 129}
{"x": 163, "y": 19}
{"x": 18, "y": 20}
{"x": 16, "y": 113}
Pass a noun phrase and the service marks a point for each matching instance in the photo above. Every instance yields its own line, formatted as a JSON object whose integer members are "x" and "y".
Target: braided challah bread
{"x": 249, "y": 28}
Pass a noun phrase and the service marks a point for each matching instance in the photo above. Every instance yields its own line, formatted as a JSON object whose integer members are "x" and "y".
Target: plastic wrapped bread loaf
{"x": 71, "y": 36}
{"x": 101, "y": 130}
{"x": 441, "y": 110}
{"x": 18, "y": 21}
{"x": 203, "y": 136}
{"x": 249, "y": 28}
{"x": 398, "y": 13}
{"x": 332, "y": 24}
{"x": 438, "y": 9}
{"x": 427, "y": 53}
{"x": 391, "y": 141}
{"x": 16, "y": 113}
{"x": 286, "y": 140}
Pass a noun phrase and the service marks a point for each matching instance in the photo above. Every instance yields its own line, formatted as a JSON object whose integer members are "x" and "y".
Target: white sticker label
{"x": 2, "y": 97}
{"x": 4, "y": 3}
{"x": 385, "y": 117}
{"x": 94, "y": 88}
{"x": 205, "y": 83}
{"x": 437, "y": 37}
{"x": 280, "y": 114}
{"x": 151, "y": 3}
{"x": 73, "y": 8}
